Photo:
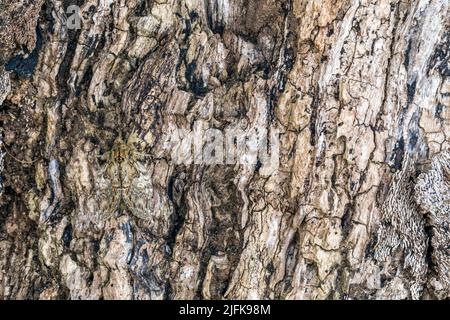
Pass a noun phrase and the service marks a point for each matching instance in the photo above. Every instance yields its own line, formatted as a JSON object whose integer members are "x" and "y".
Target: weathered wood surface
{"x": 360, "y": 205}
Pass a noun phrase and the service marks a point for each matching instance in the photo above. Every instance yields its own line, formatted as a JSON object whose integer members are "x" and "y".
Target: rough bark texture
{"x": 359, "y": 90}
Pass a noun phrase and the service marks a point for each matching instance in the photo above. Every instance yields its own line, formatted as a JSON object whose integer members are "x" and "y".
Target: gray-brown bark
{"x": 359, "y": 207}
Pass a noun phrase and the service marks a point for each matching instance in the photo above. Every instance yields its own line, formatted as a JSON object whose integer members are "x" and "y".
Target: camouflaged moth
{"x": 124, "y": 182}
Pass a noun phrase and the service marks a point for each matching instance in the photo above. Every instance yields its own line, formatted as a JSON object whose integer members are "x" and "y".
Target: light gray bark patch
{"x": 56, "y": 190}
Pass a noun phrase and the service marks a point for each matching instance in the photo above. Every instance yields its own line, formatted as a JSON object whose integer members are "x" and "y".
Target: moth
{"x": 124, "y": 182}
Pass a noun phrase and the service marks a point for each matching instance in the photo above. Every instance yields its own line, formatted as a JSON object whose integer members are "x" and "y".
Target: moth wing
{"x": 139, "y": 197}
{"x": 107, "y": 197}
{"x": 145, "y": 201}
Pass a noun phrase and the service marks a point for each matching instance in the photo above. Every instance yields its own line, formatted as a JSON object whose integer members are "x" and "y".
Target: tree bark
{"x": 358, "y": 90}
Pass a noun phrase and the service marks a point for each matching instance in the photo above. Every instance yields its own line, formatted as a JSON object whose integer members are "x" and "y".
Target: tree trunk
{"x": 110, "y": 187}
